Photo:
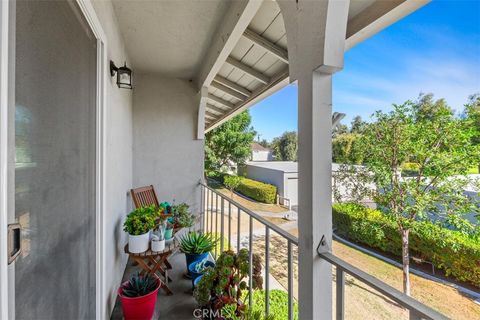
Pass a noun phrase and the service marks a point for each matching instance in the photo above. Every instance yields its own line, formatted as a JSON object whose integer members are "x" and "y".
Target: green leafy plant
{"x": 140, "y": 285}
{"x": 141, "y": 220}
{"x": 196, "y": 243}
{"x": 454, "y": 252}
{"x": 224, "y": 284}
{"x": 232, "y": 182}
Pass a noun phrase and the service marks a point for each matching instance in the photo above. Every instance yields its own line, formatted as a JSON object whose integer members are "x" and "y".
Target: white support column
{"x": 202, "y": 104}
{"x": 314, "y": 190}
{"x": 316, "y": 41}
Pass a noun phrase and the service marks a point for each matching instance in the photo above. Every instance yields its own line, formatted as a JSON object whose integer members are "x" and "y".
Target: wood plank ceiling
{"x": 257, "y": 62}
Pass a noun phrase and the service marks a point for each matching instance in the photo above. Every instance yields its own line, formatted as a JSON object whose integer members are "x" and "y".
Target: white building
{"x": 260, "y": 153}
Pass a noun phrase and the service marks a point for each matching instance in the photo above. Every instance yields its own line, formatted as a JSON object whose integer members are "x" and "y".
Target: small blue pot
{"x": 194, "y": 274}
{"x": 196, "y": 281}
{"x": 191, "y": 258}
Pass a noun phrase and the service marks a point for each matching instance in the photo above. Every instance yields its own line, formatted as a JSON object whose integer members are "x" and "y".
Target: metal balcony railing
{"x": 214, "y": 204}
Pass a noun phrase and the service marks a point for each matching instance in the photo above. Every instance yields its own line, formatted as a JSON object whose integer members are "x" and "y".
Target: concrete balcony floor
{"x": 179, "y": 306}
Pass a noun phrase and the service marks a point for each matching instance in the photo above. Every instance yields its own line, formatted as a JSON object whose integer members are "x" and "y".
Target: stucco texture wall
{"x": 118, "y": 126}
{"x": 165, "y": 151}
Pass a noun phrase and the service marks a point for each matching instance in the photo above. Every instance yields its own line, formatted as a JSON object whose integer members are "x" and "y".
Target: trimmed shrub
{"x": 457, "y": 254}
{"x": 257, "y": 190}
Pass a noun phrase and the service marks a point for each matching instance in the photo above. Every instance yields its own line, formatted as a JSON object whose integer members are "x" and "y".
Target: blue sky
{"x": 436, "y": 49}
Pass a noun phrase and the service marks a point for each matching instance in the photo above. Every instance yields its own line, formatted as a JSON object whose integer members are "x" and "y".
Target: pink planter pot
{"x": 139, "y": 308}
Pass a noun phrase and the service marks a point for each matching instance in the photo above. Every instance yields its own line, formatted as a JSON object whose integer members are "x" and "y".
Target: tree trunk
{"x": 405, "y": 262}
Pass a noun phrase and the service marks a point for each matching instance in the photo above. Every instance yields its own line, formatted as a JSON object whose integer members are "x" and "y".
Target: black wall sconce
{"x": 124, "y": 75}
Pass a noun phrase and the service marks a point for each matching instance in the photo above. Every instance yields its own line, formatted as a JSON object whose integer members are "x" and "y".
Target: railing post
{"x": 267, "y": 271}
{"x": 229, "y": 225}
{"x": 222, "y": 224}
{"x": 250, "y": 261}
{"x": 340, "y": 294}
{"x": 238, "y": 230}
{"x": 290, "y": 280}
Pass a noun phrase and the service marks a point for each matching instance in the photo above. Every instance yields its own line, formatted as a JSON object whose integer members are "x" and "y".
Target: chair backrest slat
{"x": 144, "y": 196}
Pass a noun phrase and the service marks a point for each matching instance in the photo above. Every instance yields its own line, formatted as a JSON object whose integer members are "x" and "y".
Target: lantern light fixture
{"x": 124, "y": 75}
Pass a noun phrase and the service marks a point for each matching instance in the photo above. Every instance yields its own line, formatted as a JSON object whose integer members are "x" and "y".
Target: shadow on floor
{"x": 179, "y": 306}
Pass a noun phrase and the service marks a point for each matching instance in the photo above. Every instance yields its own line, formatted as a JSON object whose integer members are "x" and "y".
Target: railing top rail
{"x": 258, "y": 217}
{"x": 394, "y": 294}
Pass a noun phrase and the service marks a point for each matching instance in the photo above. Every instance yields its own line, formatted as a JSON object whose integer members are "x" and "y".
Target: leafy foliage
{"x": 140, "y": 285}
{"x": 285, "y": 147}
{"x": 141, "y": 220}
{"x": 223, "y": 285}
{"x": 345, "y": 149}
{"x": 196, "y": 243}
{"x": 230, "y": 143}
{"x": 183, "y": 217}
{"x": 429, "y": 135}
{"x": 257, "y": 190}
{"x": 232, "y": 182}
{"x": 457, "y": 253}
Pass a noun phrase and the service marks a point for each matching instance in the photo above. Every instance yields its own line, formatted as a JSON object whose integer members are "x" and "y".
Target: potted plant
{"x": 222, "y": 286}
{"x": 196, "y": 247}
{"x": 198, "y": 268}
{"x": 138, "y": 296}
{"x": 158, "y": 237}
{"x": 138, "y": 225}
{"x": 183, "y": 217}
{"x": 169, "y": 230}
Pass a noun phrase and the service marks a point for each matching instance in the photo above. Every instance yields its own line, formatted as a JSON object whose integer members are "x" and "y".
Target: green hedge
{"x": 455, "y": 253}
{"x": 257, "y": 190}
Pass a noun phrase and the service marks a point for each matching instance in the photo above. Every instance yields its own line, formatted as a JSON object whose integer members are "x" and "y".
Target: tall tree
{"x": 230, "y": 143}
{"x": 285, "y": 147}
{"x": 472, "y": 117}
{"x": 440, "y": 146}
{"x": 345, "y": 149}
{"x": 264, "y": 143}
{"x": 358, "y": 125}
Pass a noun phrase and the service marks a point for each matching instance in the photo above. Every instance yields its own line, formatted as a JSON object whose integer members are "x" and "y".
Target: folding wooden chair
{"x": 144, "y": 197}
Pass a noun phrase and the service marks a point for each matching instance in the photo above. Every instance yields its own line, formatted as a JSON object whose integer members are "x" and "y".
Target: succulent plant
{"x": 140, "y": 285}
{"x": 196, "y": 243}
{"x": 222, "y": 285}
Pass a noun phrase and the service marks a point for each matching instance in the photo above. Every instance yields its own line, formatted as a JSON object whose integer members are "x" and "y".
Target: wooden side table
{"x": 156, "y": 261}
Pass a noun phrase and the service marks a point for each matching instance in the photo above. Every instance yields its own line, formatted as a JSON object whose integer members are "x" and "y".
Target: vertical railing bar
{"x": 238, "y": 230}
{"x": 340, "y": 293}
{"x": 229, "y": 225}
{"x": 250, "y": 262}
{"x": 222, "y": 224}
{"x": 216, "y": 224}
{"x": 207, "y": 210}
{"x": 202, "y": 206}
{"x": 290, "y": 280}
{"x": 211, "y": 212}
{"x": 267, "y": 271}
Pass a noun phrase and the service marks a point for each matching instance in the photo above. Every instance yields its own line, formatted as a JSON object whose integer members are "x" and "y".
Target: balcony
{"x": 229, "y": 220}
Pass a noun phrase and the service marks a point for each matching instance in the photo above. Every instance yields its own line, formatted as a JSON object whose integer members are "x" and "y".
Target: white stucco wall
{"x": 165, "y": 151}
{"x": 118, "y": 115}
{"x": 261, "y": 156}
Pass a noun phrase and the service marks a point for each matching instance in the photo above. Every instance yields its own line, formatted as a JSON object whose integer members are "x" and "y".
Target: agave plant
{"x": 140, "y": 285}
{"x": 196, "y": 243}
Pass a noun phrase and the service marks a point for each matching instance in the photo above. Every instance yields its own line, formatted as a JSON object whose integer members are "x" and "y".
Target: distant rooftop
{"x": 258, "y": 147}
{"x": 285, "y": 166}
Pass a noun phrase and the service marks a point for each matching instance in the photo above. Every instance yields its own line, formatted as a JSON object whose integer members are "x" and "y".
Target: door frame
{"x": 6, "y": 91}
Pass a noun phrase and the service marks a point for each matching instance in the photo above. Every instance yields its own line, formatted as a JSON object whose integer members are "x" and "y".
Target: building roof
{"x": 258, "y": 147}
{"x": 285, "y": 166}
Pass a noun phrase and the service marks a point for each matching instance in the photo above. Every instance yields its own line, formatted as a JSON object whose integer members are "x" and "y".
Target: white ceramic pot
{"x": 138, "y": 244}
{"x": 158, "y": 245}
